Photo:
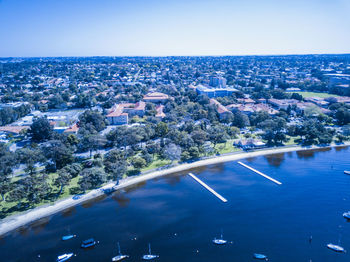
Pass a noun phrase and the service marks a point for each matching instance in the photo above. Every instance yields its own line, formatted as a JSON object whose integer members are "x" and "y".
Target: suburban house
{"x": 160, "y": 114}
{"x": 72, "y": 129}
{"x": 156, "y": 97}
{"x": 15, "y": 130}
{"x": 282, "y": 103}
{"x": 317, "y": 100}
{"x": 251, "y": 108}
{"x": 119, "y": 114}
{"x": 250, "y": 143}
{"x": 222, "y": 110}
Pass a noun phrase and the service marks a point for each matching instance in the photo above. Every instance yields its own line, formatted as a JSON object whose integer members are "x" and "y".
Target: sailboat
{"x": 219, "y": 241}
{"x": 64, "y": 257}
{"x": 119, "y": 257}
{"x": 149, "y": 256}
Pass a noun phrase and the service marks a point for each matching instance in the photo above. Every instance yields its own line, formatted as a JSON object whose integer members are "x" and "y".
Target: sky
{"x": 173, "y": 27}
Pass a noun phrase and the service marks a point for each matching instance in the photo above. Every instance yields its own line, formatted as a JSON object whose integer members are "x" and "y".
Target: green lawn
{"x": 156, "y": 163}
{"x": 223, "y": 148}
{"x": 4, "y": 205}
{"x": 291, "y": 140}
{"x": 315, "y": 94}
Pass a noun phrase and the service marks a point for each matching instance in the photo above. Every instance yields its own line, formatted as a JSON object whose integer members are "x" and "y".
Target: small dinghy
{"x": 347, "y": 215}
{"x": 67, "y": 237}
{"x": 336, "y": 248}
{"x": 149, "y": 256}
{"x": 219, "y": 241}
{"x": 119, "y": 257}
{"x": 88, "y": 243}
{"x": 347, "y": 172}
{"x": 64, "y": 257}
{"x": 260, "y": 257}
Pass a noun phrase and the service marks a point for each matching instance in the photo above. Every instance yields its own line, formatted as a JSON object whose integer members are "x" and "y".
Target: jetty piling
{"x": 208, "y": 188}
{"x": 262, "y": 174}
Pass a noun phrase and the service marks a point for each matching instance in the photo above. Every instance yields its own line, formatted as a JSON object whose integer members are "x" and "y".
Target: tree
{"x": 138, "y": 162}
{"x": 118, "y": 170}
{"x": 92, "y": 143}
{"x": 274, "y": 130}
{"x": 161, "y": 129}
{"x": 343, "y": 116}
{"x": 65, "y": 175}
{"x": 91, "y": 178}
{"x": 36, "y": 187}
{"x": 217, "y": 134}
{"x": 40, "y": 129}
{"x": 58, "y": 152}
{"x": 240, "y": 120}
{"x": 297, "y": 96}
{"x": 172, "y": 152}
{"x": 153, "y": 148}
{"x": 7, "y": 162}
{"x": 194, "y": 152}
{"x": 199, "y": 136}
{"x": 30, "y": 157}
{"x": 93, "y": 121}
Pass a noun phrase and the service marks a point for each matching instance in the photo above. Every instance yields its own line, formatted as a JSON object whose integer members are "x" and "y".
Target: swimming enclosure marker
{"x": 262, "y": 174}
{"x": 208, "y": 188}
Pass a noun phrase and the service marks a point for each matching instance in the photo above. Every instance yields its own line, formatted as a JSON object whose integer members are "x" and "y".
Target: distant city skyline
{"x": 38, "y": 28}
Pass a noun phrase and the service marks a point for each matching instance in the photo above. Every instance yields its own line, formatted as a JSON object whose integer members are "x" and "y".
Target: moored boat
{"x": 347, "y": 215}
{"x": 88, "y": 243}
{"x": 119, "y": 257}
{"x": 149, "y": 256}
{"x": 64, "y": 257}
{"x": 336, "y": 248}
{"x": 220, "y": 241}
{"x": 67, "y": 237}
{"x": 260, "y": 256}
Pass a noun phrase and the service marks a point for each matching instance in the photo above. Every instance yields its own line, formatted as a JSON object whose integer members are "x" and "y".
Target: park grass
{"x": 316, "y": 94}
{"x": 291, "y": 140}
{"x": 224, "y": 148}
{"x": 156, "y": 163}
{"x": 5, "y": 205}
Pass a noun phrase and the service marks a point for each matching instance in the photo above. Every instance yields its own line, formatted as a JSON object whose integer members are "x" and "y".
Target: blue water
{"x": 180, "y": 218}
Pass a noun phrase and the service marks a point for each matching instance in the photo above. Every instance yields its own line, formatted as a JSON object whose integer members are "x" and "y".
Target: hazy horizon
{"x": 38, "y": 28}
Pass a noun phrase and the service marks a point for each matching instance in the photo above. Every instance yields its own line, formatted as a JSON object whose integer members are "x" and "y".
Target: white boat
{"x": 149, "y": 256}
{"x": 119, "y": 257}
{"x": 260, "y": 256}
{"x": 346, "y": 215}
{"x": 336, "y": 248}
{"x": 347, "y": 172}
{"x": 67, "y": 237}
{"x": 219, "y": 241}
{"x": 64, "y": 257}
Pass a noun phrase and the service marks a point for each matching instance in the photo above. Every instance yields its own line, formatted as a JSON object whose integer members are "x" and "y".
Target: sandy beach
{"x": 11, "y": 223}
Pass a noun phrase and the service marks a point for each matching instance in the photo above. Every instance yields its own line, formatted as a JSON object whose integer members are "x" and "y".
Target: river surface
{"x": 180, "y": 218}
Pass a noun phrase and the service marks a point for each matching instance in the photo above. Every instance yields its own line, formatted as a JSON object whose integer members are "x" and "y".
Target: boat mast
{"x": 149, "y": 248}
{"x": 119, "y": 249}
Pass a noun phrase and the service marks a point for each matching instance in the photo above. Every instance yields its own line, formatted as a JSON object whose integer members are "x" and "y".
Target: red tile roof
{"x": 221, "y": 109}
{"x": 13, "y": 129}
{"x": 155, "y": 96}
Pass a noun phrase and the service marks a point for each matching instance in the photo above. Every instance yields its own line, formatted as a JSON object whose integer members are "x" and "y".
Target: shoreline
{"x": 13, "y": 222}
